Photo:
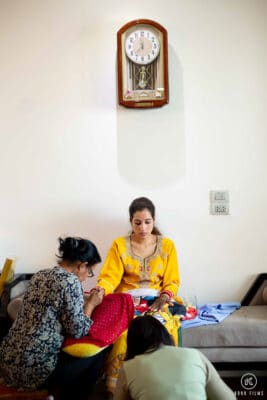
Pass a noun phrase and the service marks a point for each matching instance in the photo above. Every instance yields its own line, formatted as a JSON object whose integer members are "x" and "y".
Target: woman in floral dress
{"x": 54, "y": 308}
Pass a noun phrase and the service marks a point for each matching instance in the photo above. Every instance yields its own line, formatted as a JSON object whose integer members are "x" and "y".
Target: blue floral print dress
{"x": 52, "y": 309}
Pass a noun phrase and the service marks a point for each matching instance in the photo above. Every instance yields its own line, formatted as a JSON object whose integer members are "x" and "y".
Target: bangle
{"x": 168, "y": 293}
{"x": 96, "y": 289}
{"x": 164, "y": 297}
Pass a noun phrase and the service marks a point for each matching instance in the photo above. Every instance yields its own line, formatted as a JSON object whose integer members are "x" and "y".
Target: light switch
{"x": 219, "y": 195}
{"x": 219, "y": 202}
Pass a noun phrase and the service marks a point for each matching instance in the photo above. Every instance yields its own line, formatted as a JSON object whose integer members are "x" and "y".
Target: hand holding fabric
{"x": 111, "y": 318}
{"x": 94, "y": 298}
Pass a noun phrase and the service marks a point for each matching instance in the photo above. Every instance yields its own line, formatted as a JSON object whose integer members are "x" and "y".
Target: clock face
{"x": 142, "y": 46}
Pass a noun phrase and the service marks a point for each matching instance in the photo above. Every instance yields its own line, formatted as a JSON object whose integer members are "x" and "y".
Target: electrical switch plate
{"x": 220, "y": 196}
{"x": 219, "y": 208}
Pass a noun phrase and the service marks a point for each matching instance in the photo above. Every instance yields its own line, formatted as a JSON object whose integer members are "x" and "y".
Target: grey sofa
{"x": 240, "y": 341}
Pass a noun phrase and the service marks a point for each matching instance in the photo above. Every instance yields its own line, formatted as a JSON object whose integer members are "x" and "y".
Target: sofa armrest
{"x": 7, "y": 291}
{"x": 18, "y": 278}
{"x": 256, "y": 295}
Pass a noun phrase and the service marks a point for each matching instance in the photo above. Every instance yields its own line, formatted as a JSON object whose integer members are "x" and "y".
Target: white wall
{"x": 72, "y": 160}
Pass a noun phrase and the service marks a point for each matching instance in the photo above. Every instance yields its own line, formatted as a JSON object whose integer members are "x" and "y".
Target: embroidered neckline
{"x": 156, "y": 252}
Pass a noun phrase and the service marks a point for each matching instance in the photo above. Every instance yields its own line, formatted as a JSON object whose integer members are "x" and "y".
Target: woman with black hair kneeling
{"x": 53, "y": 308}
{"x": 155, "y": 369}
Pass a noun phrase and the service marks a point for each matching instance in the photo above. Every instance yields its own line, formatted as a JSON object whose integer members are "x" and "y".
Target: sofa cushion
{"x": 246, "y": 327}
{"x": 235, "y": 354}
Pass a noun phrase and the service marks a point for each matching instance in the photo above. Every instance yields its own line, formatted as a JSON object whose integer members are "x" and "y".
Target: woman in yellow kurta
{"x": 145, "y": 265}
{"x": 126, "y": 271}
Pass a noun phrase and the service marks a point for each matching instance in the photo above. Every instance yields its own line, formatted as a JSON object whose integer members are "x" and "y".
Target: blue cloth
{"x": 211, "y": 314}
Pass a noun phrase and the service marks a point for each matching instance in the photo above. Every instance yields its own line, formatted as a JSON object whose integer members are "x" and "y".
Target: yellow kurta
{"x": 123, "y": 270}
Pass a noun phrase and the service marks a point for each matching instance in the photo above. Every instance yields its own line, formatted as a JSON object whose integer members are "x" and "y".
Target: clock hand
{"x": 141, "y": 47}
{"x": 141, "y": 42}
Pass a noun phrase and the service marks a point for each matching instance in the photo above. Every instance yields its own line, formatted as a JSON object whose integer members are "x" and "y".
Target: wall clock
{"x": 142, "y": 58}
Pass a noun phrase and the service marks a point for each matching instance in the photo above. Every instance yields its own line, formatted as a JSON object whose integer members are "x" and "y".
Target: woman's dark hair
{"x": 146, "y": 333}
{"x": 140, "y": 204}
{"x": 73, "y": 249}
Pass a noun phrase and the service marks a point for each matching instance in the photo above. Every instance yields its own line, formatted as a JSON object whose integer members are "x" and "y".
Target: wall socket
{"x": 219, "y": 202}
{"x": 219, "y": 209}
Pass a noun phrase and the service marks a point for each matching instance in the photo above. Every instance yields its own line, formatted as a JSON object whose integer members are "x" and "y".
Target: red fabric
{"x": 6, "y": 389}
{"x": 7, "y": 392}
{"x": 110, "y": 318}
{"x": 142, "y": 307}
{"x": 191, "y": 313}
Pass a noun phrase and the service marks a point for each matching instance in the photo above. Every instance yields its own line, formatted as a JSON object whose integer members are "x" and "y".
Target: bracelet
{"x": 168, "y": 293}
{"x": 164, "y": 297}
{"x": 96, "y": 289}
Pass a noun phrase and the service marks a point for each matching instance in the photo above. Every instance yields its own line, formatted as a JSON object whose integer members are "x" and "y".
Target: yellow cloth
{"x": 7, "y": 273}
{"x": 123, "y": 270}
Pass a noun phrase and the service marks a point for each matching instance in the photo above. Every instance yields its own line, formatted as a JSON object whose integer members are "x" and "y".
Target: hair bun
{"x": 73, "y": 249}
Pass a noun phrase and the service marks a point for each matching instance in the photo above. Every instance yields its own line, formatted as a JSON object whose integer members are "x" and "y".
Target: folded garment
{"x": 211, "y": 314}
{"x": 216, "y": 312}
{"x": 111, "y": 318}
